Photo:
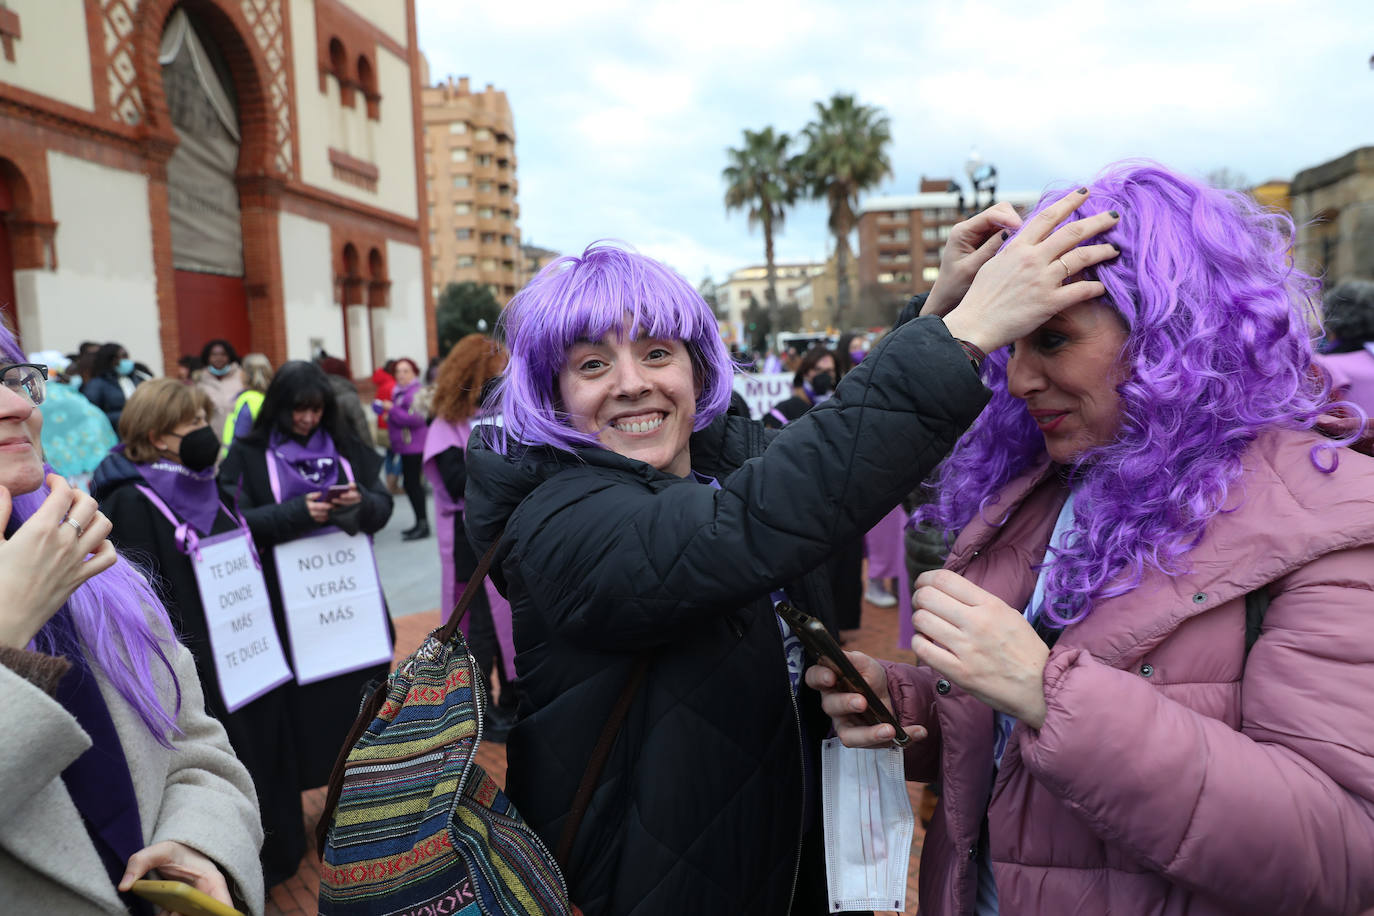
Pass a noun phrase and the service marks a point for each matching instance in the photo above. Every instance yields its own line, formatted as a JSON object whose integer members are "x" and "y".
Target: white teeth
{"x": 642, "y": 426}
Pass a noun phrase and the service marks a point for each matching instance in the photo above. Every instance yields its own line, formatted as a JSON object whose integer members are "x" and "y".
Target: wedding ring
{"x": 1067, "y": 273}
{"x": 77, "y": 525}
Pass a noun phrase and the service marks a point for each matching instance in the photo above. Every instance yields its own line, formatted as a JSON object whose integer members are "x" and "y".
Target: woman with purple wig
{"x": 641, "y": 529}
{"x": 110, "y": 766}
{"x": 1146, "y": 668}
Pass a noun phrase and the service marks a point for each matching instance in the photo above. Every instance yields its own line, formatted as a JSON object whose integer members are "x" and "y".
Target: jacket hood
{"x": 498, "y": 483}
{"x": 114, "y": 472}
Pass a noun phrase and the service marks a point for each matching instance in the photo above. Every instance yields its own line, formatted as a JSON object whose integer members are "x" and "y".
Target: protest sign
{"x": 335, "y": 615}
{"x": 763, "y": 392}
{"x": 243, "y": 638}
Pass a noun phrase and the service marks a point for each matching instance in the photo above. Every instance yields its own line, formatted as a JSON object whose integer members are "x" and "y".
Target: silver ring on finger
{"x": 75, "y": 524}
{"x": 1067, "y": 273}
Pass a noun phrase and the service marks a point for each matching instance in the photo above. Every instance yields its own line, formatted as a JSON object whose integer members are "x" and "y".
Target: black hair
{"x": 808, "y": 362}
{"x": 105, "y": 358}
{"x": 1349, "y": 314}
{"x": 299, "y": 384}
{"x": 218, "y": 342}
{"x": 190, "y": 362}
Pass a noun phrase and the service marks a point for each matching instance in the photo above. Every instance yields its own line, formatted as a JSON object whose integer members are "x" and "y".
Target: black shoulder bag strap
{"x": 1256, "y": 603}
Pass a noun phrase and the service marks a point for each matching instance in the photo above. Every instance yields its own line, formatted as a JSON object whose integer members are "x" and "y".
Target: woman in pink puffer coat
{"x": 1149, "y": 468}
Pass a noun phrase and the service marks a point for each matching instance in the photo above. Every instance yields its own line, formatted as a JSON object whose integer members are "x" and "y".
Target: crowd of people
{"x": 1113, "y": 471}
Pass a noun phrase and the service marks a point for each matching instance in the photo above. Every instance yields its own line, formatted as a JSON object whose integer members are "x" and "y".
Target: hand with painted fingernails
{"x": 1017, "y": 289}
{"x": 844, "y": 707}
{"x": 58, "y": 548}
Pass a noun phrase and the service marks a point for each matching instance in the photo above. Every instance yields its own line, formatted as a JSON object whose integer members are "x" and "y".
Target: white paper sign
{"x": 243, "y": 639}
{"x": 763, "y": 392}
{"x": 335, "y": 614}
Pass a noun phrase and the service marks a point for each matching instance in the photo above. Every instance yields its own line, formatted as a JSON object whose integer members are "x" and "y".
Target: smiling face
{"x": 1067, "y": 371}
{"x": 219, "y": 357}
{"x": 638, "y": 397}
{"x": 21, "y": 461}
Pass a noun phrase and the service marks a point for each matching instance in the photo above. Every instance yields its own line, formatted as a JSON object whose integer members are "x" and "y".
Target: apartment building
{"x": 469, "y": 146}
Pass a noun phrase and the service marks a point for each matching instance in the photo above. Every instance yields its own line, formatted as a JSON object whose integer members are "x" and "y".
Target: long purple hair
{"x": 1219, "y": 347}
{"x": 587, "y": 298}
{"x": 120, "y": 622}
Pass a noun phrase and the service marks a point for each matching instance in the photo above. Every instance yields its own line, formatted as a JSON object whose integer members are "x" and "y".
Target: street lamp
{"x": 981, "y": 175}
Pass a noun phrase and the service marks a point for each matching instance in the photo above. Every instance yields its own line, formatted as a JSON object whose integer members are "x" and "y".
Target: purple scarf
{"x": 310, "y": 467}
{"x": 193, "y": 497}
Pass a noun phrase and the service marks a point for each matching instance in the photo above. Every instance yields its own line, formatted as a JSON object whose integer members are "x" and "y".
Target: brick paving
{"x": 297, "y": 896}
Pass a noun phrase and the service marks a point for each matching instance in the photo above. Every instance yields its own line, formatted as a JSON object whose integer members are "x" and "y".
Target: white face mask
{"x": 868, "y": 827}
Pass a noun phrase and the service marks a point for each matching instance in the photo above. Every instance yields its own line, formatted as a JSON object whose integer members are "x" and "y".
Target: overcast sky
{"x": 623, "y": 110}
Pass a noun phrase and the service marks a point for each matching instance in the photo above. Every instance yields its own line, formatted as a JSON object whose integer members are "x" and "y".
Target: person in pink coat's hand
{"x": 1150, "y": 475}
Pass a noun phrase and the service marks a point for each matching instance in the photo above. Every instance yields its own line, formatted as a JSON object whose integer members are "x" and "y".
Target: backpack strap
{"x": 600, "y": 754}
{"x": 1256, "y": 604}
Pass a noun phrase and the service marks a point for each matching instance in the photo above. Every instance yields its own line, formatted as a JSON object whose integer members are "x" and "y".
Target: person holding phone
{"x": 1146, "y": 667}
{"x": 158, "y": 489}
{"x": 300, "y": 471}
{"x": 638, "y": 527}
{"x": 110, "y": 768}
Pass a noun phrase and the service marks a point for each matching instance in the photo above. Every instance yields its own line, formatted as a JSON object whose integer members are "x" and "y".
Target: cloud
{"x": 624, "y": 109}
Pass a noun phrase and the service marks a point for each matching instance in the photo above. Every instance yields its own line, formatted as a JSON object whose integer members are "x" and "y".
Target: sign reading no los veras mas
{"x": 335, "y": 615}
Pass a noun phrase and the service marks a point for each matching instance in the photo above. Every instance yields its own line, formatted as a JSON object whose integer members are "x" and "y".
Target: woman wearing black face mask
{"x": 813, "y": 384}
{"x": 158, "y": 488}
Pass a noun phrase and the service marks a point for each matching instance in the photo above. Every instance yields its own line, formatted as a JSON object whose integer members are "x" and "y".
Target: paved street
{"x": 410, "y": 576}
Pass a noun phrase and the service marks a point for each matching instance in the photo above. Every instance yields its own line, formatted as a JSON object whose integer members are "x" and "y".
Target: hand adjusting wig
{"x": 589, "y": 298}
{"x": 1218, "y": 348}
{"x": 119, "y": 620}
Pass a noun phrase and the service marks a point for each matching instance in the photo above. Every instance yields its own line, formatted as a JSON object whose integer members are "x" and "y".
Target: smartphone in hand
{"x": 337, "y": 490}
{"x": 823, "y": 648}
{"x": 180, "y": 897}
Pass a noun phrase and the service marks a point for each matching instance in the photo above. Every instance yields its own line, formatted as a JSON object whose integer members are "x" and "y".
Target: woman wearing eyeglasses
{"x": 110, "y": 766}
{"x": 158, "y": 489}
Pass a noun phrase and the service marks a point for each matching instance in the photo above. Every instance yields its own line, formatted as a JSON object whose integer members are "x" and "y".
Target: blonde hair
{"x": 257, "y": 372}
{"x": 157, "y": 407}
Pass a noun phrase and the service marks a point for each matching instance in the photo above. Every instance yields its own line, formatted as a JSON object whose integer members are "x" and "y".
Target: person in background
{"x": 186, "y": 369}
{"x": 385, "y": 384}
{"x": 299, "y": 428}
{"x": 464, "y": 376}
{"x": 221, "y": 379}
{"x": 76, "y": 433}
{"x": 812, "y": 383}
{"x": 406, "y": 426}
{"x": 114, "y": 376}
{"x": 168, "y": 448}
{"x": 256, "y": 373}
{"x": 346, "y": 393}
{"x": 1145, "y": 669}
{"x": 110, "y": 766}
{"x": 1348, "y": 354}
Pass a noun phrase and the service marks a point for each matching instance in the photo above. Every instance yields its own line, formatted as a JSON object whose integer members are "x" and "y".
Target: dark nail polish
{"x": 1114, "y": 214}
{"x": 1116, "y": 246}
{"x": 1082, "y": 190}
{"x": 1005, "y": 235}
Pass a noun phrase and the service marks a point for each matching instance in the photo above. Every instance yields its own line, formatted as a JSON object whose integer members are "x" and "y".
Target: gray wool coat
{"x": 195, "y": 792}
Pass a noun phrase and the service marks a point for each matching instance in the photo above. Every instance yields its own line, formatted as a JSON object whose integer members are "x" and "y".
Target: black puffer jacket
{"x": 700, "y": 807}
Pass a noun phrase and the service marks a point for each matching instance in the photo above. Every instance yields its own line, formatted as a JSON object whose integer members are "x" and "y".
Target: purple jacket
{"x": 405, "y": 428}
{"x": 1172, "y": 776}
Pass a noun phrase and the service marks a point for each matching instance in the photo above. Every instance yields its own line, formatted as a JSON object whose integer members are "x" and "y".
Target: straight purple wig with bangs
{"x": 1219, "y": 347}
{"x": 120, "y": 622}
{"x": 588, "y": 298}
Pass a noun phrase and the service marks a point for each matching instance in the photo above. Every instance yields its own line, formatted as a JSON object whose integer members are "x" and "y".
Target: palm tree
{"x": 846, "y": 153}
{"x": 763, "y": 179}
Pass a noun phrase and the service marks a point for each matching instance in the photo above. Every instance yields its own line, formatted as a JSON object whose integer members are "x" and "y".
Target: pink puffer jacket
{"x": 1172, "y": 776}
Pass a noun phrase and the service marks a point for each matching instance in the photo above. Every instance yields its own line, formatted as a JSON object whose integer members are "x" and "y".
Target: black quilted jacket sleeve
{"x": 621, "y": 567}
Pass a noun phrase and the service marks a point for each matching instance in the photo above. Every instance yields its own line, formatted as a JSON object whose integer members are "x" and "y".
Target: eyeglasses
{"x": 28, "y": 380}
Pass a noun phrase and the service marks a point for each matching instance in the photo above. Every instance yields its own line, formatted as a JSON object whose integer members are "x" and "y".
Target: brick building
{"x": 901, "y": 238}
{"x": 469, "y": 146}
{"x": 176, "y": 170}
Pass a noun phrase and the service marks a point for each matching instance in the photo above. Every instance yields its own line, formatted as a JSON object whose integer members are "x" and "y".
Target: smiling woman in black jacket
{"x": 636, "y": 521}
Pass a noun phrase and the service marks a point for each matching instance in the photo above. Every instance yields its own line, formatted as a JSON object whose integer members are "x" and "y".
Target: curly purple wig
{"x": 1219, "y": 347}
{"x": 122, "y": 625}
{"x": 586, "y": 298}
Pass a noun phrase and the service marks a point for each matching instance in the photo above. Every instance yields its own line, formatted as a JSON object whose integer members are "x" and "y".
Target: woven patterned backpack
{"x": 412, "y": 825}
